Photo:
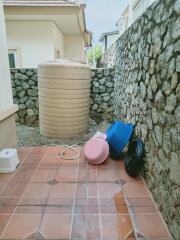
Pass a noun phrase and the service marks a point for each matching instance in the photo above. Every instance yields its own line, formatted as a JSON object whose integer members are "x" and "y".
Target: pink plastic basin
{"x": 96, "y": 150}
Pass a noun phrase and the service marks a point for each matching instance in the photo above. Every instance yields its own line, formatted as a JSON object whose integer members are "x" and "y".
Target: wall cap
{"x": 8, "y": 112}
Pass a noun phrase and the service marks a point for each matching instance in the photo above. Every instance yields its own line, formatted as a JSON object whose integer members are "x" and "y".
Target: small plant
{"x": 94, "y": 55}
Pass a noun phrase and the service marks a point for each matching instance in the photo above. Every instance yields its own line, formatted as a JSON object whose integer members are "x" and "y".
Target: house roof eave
{"x": 103, "y": 35}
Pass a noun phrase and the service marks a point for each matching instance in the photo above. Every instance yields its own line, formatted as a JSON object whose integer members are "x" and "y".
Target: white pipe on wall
{"x": 6, "y": 99}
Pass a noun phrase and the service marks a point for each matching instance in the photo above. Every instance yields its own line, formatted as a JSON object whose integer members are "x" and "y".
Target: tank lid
{"x": 65, "y": 63}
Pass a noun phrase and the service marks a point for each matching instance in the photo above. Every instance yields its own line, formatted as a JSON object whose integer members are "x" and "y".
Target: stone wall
{"x": 102, "y": 89}
{"x": 147, "y": 93}
{"x": 25, "y": 94}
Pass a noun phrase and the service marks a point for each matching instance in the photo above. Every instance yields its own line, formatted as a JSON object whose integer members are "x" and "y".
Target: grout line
{"x": 74, "y": 200}
{"x": 156, "y": 207}
{"x": 18, "y": 202}
{"x": 77, "y": 214}
{"x": 47, "y": 198}
{"x": 98, "y": 198}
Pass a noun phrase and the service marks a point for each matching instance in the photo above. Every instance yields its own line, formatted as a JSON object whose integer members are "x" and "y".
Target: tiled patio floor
{"x": 51, "y": 198}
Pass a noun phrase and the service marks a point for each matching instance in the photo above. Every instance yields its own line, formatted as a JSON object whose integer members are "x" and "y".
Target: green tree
{"x": 97, "y": 54}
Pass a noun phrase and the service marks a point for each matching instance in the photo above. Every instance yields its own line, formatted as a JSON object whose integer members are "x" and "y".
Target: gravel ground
{"x": 30, "y": 136}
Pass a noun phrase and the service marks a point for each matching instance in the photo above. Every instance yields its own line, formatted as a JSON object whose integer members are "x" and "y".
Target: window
{"x": 14, "y": 59}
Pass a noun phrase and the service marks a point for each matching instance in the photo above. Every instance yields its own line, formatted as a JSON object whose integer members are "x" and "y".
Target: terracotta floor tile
{"x": 92, "y": 189}
{"x": 92, "y": 209}
{"x": 5, "y": 179}
{"x": 54, "y": 150}
{"x": 81, "y": 190}
{"x": 136, "y": 189}
{"x": 14, "y": 190}
{"x": 134, "y": 209}
{"x": 21, "y": 226}
{"x": 80, "y": 209}
{"x": 82, "y": 176}
{"x": 3, "y": 222}
{"x": 17, "y": 176}
{"x": 107, "y": 165}
{"x": 125, "y": 178}
{"x": 49, "y": 166}
{"x": 8, "y": 205}
{"x": 69, "y": 164}
{"x": 33, "y": 157}
{"x": 120, "y": 165}
{"x": 67, "y": 176}
{"x": 91, "y": 167}
{"x": 86, "y": 206}
{"x": 108, "y": 189}
{"x": 83, "y": 166}
{"x": 64, "y": 209}
{"x": 107, "y": 175}
{"x": 33, "y": 201}
{"x": 43, "y": 176}
{"x": 42, "y": 191}
{"x": 22, "y": 176}
{"x": 93, "y": 227}
{"x": 92, "y": 176}
{"x": 56, "y": 226}
{"x": 52, "y": 159}
{"x": 80, "y": 201}
{"x": 92, "y": 201}
{"x": 116, "y": 226}
{"x": 23, "y": 153}
{"x": 30, "y": 209}
{"x": 107, "y": 209}
{"x": 79, "y": 227}
{"x": 39, "y": 149}
{"x": 116, "y": 205}
{"x": 150, "y": 226}
{"x": 62, "y": 190}
{"x": 85, "y": 227}
{"x": 56, "y": 201}
{"x": 139, "y": 200}
{"x": 38, "y": 190}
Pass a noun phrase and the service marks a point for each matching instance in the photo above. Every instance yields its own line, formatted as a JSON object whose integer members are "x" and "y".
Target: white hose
{"x": 72, "y": 148}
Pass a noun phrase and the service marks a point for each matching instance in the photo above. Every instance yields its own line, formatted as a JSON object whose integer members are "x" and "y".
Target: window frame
{"x": 17, "y": 59}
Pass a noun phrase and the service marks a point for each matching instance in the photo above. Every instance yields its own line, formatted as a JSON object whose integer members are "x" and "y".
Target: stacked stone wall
{"x": 25, "y": 94}
{"x": 102, "y": 90}
{"x": 147, "y": 93}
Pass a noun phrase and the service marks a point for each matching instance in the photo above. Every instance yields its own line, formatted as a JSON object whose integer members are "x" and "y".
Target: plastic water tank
{"x": 64, "y": 98}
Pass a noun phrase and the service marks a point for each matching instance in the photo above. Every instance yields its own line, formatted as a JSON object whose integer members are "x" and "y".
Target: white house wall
{"x": 7, "y": 109}
{"x": 58, "y": 40}
{"x": 33, "y": 39}
{"x": 74, "y": 47}
{"x": 6, "y": 99}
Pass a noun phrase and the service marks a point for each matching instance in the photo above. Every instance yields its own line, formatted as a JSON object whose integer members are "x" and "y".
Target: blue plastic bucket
{"x": 118, "y": 135}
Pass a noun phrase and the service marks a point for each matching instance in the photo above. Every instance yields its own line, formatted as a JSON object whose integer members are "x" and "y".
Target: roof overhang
{"x": 69, "y": 19}
{"x": 108, "y": 34}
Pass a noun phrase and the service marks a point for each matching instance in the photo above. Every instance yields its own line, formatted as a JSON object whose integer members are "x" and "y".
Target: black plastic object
{"x": 134, "y": 157}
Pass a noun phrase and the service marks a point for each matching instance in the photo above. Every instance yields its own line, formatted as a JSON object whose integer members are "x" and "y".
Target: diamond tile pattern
{"x": 50, "y": 198}
{"x": 35, "y": 235}
{"x": 53, "y": 182}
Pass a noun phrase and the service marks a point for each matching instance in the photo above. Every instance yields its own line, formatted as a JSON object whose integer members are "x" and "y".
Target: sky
{"x": 102, "y": 15}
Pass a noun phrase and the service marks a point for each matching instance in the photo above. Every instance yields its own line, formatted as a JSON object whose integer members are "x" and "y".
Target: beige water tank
{"x": 64, "y": 98}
